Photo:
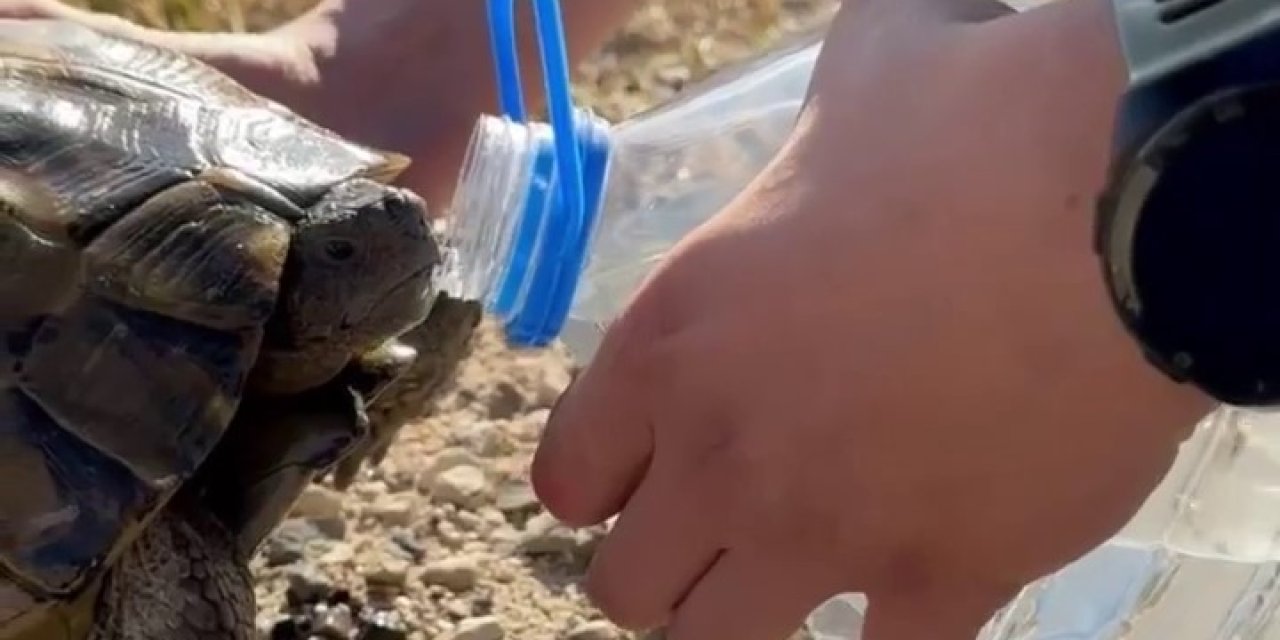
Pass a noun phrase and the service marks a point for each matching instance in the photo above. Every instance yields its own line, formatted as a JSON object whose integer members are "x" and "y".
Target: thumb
{"x": 598, "y": 439}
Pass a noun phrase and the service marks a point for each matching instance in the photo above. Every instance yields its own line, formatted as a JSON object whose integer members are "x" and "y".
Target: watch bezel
{"x": 1182, "y": 71}
{"x": 1120, "y": 210}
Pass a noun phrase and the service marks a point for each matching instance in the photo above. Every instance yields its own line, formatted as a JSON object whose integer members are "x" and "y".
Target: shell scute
{"x": 151, "y": 392}
{"x": 64, "y": 502}
{"x": 148, "y": 104}
{"x": 97, "y": 158}
{"x": 193, "y": 252}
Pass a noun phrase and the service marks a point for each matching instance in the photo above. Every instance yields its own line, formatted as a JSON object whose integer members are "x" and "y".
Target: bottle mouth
{"x": 513, "y": 242}
{"x": 496, "y": 173}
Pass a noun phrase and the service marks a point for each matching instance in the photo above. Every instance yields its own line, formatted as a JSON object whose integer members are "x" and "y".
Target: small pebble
{"x": 528, "y": 429}
{"x": 505, "y": 539}
{"x": 387, "y": 572}
{"x": 457, "y": 610}
{"x": 449, "y": 535}
{"x": 482, "y": 606}
{"x": 382, "y": 624}
{"x": 492, "y": 516}
{"x": 331, "y": 528}
{"x": 444, "y": 461}
{"x": 550, "y": 385}
{"x": 335, "y": 623}
{"x": 341, "y": 553}
{"x": 468, "y": 521}
{"x": 516, "y": 497}
{"x": 465, "y": 486}
{"x": 481, "y": 437}
{"x": 306, "y": 585}
{"x": 370, "y": 491}
{"x": 390, "y": 549}
{"x": 675, "y": 76}
{"x": 317, "y": 502}
{"x": 392, "y": 510}
{"x": 287, "y": 544}
{"x": 456, "y": 574}
{"x": 483, "y": 628}
{"x": 544, "y": 534}
{"x": 595, "y": 630}
{"x": 405, "y": 539}
{"x": 506, "y": 401}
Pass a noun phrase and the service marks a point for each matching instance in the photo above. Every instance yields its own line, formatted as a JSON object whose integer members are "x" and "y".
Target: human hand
{"x": 890, "y": 366}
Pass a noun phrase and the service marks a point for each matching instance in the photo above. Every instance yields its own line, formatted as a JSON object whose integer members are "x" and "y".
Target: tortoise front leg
{"x": 277, "y": 445}
{"x": 441, "y": 343}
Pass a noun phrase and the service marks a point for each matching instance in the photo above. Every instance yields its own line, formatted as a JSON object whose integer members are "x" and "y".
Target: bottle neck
{"x": 496, "y": 174}
{"x": 513, "y": 242}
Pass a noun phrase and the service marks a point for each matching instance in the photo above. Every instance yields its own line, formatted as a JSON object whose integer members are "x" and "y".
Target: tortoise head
{"x": 359, "y": 272}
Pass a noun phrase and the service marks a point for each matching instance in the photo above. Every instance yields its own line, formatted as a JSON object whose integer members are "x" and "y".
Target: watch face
{"x": 1203, "y": 274}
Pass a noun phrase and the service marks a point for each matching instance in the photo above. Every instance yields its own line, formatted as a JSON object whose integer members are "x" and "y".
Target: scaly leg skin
{"x": 442, "y": 342}
{"x": 183, "y": 579}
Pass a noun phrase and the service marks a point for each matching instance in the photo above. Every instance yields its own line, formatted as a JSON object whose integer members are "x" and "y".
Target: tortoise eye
{"x": 339, "y": 250}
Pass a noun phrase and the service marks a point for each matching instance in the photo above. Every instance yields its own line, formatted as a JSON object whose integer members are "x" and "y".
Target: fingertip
{"x": 594, "y": 449}
{"x": 555, "y": 487}
{"x": 610, "y": 596}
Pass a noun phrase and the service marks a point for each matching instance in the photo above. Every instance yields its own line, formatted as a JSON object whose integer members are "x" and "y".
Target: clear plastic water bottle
{"x": 556, "y": 250}
{"x": 555, "y": 224}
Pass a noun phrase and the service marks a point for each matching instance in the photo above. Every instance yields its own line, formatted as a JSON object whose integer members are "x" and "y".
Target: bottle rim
{"x": 496, "y": 170}
{"x": 516, "y": 245}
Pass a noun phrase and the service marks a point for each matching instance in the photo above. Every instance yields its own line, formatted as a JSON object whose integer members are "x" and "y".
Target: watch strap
{"x": 1163, "y": 36}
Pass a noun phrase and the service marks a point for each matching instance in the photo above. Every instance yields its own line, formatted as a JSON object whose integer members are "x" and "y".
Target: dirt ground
{"x": 446, "y": 536}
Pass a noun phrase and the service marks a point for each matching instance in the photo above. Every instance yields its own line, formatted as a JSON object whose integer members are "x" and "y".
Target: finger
{"x": 659, "y": 547}
{"x": 749, "y": 596}
{"x": 597, "y": 441}
{"x": 26, "y": 9}
{"x": 956, "y": 613}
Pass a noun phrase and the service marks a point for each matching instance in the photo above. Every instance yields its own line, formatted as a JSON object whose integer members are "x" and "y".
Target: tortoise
{"x": 203, "y": 294}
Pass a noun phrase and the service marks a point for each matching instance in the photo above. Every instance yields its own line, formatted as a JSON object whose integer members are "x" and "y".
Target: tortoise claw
{"x": 441, "y": 343}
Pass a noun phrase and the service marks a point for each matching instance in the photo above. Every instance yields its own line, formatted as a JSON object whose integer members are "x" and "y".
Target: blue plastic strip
{"x": 557, "y": 283}
{"x": 553, "y": 234}
{"x": 555, "y": 69}
{"x": 506, "y": 58}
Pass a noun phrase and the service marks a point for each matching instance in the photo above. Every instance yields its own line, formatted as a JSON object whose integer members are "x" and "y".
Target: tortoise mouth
{"x": 404, "y": 306}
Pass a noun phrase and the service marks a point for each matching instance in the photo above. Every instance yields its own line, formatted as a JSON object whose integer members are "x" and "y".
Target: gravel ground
{"x": 445, "y": 539}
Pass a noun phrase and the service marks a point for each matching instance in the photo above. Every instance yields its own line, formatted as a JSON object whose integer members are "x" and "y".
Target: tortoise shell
{"x": 136, "y": 293}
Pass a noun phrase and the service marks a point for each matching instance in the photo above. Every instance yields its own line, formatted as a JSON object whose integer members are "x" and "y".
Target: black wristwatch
{"x": 1188, "y": 228}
